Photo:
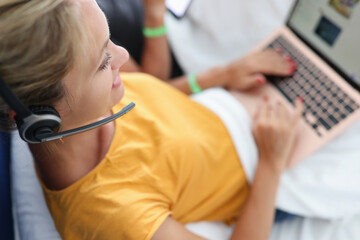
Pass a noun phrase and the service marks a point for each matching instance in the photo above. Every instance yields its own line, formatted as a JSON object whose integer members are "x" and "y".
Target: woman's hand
{"x": 248, "y": 72}
{"x": 154, "y": 12}
{"x": 275, "y": 131}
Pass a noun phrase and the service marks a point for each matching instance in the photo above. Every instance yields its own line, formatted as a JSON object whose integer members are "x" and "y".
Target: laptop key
{"x": 347, "y": 107}
{"x": 333, "y": 119}
{"x": 324, "y": 123}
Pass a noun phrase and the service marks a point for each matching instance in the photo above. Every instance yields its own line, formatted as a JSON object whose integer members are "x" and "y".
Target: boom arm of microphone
{"x": 51, "y": 137}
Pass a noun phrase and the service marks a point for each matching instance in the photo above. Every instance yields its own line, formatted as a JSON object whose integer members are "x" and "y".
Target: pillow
{"x": 33, "y": 219}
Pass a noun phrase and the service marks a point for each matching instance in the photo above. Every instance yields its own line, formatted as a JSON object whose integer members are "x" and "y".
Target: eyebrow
{"x": 105, "y": 45}
{"x": 102, "y": 50}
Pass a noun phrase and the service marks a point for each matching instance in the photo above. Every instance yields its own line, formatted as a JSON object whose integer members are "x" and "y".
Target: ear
{"x": 12, "y": 115}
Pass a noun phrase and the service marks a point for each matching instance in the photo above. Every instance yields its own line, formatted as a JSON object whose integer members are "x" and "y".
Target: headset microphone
{"x": 39, "y": 124}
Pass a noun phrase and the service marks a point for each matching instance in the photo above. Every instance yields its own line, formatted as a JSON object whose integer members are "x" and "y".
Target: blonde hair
{"x": 37, "y": 49}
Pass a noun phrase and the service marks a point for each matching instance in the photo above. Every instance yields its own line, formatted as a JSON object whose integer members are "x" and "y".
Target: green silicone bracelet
{"x": 194, "y": 87}
{"x": 154, "y": 32}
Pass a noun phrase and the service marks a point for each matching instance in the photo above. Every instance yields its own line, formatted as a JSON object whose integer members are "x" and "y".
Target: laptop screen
{"x": 331, "y": 27}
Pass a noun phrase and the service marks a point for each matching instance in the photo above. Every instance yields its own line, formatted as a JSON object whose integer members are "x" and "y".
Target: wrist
{"x": 193, "y": 84}
{"x": 154, "y": 19}
{"x": 215, "y": 77}
{"x": 154, "y": 32}
{"x": 269, "y": 166}
{"x": 229, "y": 74}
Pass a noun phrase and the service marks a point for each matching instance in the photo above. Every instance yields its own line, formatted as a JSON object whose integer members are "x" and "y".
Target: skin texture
{"x": 95, "y": 77}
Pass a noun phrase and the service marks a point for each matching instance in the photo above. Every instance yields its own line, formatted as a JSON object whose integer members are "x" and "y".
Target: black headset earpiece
{"x": 44, "y": 120}
{"x": 43, "y": 123}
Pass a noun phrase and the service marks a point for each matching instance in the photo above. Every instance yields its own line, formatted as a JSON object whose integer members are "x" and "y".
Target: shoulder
{"x": 144, "y": 86}
{"x": 138, "y": 77}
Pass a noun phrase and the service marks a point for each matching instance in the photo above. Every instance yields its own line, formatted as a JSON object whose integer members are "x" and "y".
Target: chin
{"x": 118, "y": 94}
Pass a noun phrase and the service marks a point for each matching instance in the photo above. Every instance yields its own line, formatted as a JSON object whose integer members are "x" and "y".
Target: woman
{"x": 168, "y": 162}
{"x": 151, "y": 53}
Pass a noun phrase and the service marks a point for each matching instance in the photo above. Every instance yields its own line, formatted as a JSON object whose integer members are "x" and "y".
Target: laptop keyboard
{"x": 325, "y": 103}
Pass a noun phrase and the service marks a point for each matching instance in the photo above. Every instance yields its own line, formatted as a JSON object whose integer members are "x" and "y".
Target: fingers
{"x": 275, "y": 131}
{"x": 299, "y": 108}
{"x": 263, "y": 113}
{"x": 269, "y": 111}
{"x": 281, "y": 111}
{"x": 249, "y": 82}
{"x": 254, "y": 80}
{"x": 274, "y": 62}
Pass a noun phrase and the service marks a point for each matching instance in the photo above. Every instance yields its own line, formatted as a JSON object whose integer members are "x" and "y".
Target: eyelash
{"x": 106, "y": 64}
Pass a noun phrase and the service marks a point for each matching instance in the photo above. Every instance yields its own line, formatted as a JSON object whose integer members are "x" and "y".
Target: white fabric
{"x": 238, "y": 123}
{"x": 214, "y": 32}
{"x": 298, "y": 228}
{"x": 326, "y": 184}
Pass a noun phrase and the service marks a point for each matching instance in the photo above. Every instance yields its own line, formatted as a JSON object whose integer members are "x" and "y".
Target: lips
{"x": 117, "y": 82}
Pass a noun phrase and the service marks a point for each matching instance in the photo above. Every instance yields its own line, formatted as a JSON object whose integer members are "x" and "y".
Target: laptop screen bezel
{"x": 321, "y": 55}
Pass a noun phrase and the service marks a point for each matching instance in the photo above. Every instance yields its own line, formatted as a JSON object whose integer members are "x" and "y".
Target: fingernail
{"x": 289, "y": 59}
{"x": 260, "y": 80}
{"x": 301, "y": 99}
{"x": 278, "y": 50}
{"x": 292, "y": 68}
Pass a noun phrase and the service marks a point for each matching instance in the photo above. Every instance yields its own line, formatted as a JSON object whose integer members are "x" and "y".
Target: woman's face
{"x": 93, "y": 85}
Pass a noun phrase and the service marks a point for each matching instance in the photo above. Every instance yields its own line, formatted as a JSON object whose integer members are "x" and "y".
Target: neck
{"x": 63, "y": 162}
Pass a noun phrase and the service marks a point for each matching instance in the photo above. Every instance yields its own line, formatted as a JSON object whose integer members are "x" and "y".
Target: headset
{"x": 38, "y": 124}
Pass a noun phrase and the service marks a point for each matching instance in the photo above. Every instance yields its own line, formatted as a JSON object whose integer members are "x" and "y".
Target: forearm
{"x": 256, "y": 220}
{"x": 156, "y": 59}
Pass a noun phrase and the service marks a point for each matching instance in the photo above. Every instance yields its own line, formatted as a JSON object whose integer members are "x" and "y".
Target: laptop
{"x": 178, "y": 7}
{"x": 323, "y": 38}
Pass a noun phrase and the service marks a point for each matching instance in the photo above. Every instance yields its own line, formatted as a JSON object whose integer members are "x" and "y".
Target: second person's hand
{"x": 250, "y": 71}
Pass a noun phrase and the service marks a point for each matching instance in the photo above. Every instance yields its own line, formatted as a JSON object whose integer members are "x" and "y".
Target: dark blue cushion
{"x": 6, "y": 220}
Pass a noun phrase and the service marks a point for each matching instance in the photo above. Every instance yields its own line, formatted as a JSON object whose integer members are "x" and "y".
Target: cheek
{"x": 100, "y": 92}
{"x": 95, "y": 100}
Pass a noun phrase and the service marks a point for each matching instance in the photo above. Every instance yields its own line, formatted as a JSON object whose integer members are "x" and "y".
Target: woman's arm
{"x": 156, "y": 58}
{"x": 275, "y": 132}
{"x": 242, "y": 74}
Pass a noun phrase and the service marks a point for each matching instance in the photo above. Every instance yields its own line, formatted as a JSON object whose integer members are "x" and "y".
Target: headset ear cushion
{"x": 44, "y": 120}
{"x": 38, "y": 110}
{"x": 43, "y": 109}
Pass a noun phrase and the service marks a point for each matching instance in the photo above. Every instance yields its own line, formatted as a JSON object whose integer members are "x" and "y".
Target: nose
{"x": 120, "y": 56}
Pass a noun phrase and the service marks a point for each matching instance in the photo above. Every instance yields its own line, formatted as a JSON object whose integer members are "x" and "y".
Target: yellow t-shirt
{"x": 170, "y": 156}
